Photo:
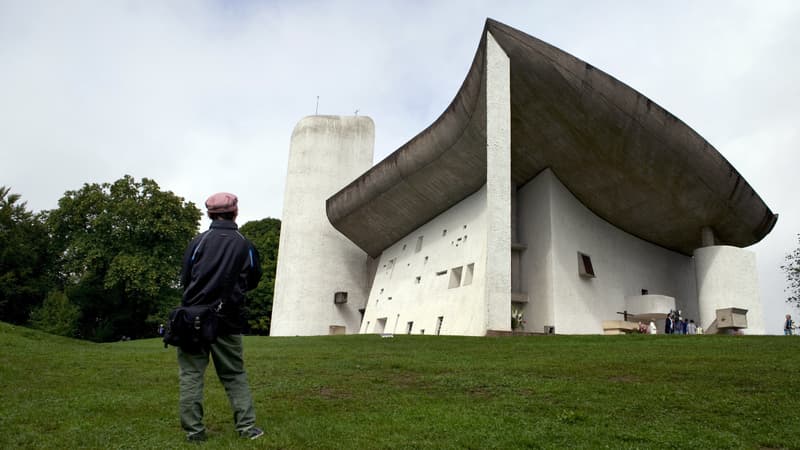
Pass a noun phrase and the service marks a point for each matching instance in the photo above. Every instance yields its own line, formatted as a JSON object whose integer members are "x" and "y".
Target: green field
{"x": 363, "y": 392}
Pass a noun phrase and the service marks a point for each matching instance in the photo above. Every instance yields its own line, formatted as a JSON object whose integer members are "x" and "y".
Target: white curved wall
{"x": 314, "y": 259}
{"x": 555, "y": 226}
{"x": 727, "y": 278}
{"x": 650, "y": 304}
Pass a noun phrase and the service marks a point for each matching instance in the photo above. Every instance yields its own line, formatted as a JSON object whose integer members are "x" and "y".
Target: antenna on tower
{"x": 316, "y": 110}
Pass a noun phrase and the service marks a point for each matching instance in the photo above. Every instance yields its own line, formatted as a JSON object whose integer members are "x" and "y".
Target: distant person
{"x": 788, "y": 326}
{"x": 691, "y": 328}
{"x": 653, "y": 328}
{"x": 685, "y": 326}
{"x": 219, "y": 264}
{"x": 161, "y": 330}
{"x": 668, "y": 324}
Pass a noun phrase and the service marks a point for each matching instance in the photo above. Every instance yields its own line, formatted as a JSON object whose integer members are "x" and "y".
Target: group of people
{"x": 673, "y": 324}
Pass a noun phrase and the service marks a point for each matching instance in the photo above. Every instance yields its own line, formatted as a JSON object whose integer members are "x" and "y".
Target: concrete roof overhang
{"x": 624, "y": 157}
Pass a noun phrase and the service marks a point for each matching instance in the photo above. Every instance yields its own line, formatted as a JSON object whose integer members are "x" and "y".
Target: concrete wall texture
{"x": 314, "y": 260}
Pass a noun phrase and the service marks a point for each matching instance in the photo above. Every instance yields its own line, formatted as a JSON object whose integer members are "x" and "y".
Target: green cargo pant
{"x": 229, "y": 364}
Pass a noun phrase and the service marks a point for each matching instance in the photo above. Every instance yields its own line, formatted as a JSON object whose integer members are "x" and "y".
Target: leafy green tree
{"x": 24, "y": 259}
{"x": 120, "y": 247}
{"x": 265, "y": 235}
{"x": 57, "y": 315}
{"x": 792, "y": 269}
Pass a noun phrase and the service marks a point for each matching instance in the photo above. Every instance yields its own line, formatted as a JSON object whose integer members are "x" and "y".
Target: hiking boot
{"x": 251, "y": 433}
{"x": 200, "y": 436}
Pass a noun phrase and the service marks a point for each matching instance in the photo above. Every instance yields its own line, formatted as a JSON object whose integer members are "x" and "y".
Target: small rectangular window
{"x": 468, "y": 274}
{"x": 419, "y": 244}
{"x": 340, "y": 298}
{"x": 444, "y": 232}
{"x": 585, "y": 267}
{"x": 645, "y": 291}
{"x": 455, "y": 277}
{"x": 441, "y": 272}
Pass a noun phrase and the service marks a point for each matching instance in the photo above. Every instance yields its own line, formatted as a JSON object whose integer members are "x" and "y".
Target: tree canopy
{"x": 265, "y": 235}
{"x": 792, "y": 270}
{"x": 24, "y": 258}
{"x": 120, "y": 247}
{"x": 106, "y": 262}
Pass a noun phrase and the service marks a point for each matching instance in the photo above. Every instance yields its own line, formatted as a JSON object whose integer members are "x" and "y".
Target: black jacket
{"x": 221, "y": 264}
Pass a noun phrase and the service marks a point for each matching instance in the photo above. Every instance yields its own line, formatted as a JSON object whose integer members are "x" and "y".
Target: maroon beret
{"x": 222, "y": 202}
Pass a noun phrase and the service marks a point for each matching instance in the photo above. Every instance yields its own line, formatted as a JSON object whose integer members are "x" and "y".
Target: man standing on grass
{"x": 219, "y": 264}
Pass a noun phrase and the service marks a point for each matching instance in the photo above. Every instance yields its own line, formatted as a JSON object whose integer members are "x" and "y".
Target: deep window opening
{"x": 468, "y": 274}
{"x": 585, "y": 267}
{"x": 455, "y": 277}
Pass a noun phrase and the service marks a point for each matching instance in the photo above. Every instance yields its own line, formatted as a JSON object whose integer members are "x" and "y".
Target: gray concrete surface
{"x": 627, "y": 159}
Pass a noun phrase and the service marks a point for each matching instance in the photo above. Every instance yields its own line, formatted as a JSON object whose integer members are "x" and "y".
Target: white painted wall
{"x": 623, "y": 263}
{"x": 727, "y": 277}
{"x": 536, "y": 271}
{"x": 650, "y": 304}
{"x": 397, "y": 298}
{"x": 314, "y": 259}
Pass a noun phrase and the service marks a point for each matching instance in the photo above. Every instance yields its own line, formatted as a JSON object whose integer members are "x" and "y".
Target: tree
{"x": 265, "y": 235}
{"x": 24, "y": 258}
{"x": 792, "y": 269}
{"x": 120, "y": 248}
{"x": 56, "y": 315}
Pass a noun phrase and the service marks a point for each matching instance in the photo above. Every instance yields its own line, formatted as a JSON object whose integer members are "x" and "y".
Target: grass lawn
{"x": 364, "y": 392}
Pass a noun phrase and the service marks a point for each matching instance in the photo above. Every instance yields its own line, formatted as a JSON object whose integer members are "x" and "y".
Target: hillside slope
{"x": 415, "y": 392}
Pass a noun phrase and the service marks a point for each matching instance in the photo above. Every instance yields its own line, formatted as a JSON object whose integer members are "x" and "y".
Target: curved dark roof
{"x": 627, "y": 159}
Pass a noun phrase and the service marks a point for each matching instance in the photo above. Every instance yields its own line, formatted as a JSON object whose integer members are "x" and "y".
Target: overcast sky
{"x": 202, "y": 96}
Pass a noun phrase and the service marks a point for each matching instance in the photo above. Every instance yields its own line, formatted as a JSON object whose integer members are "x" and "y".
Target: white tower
{"x": 321, "y": 277}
